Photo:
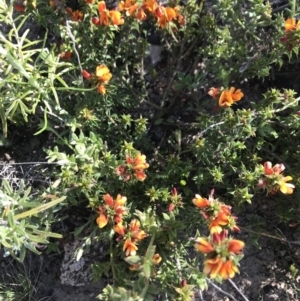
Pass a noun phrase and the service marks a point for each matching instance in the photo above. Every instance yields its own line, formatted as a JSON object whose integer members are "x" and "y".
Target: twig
{"x": 284, "y": 237}
{"x": 278, "y": 9}
{"x": 208, "y": 128}
{"x": 239, "y": 291}
{"x": 271, "y": 236}
{"x": 220, "y": 290}
{"x": 74, "y": 46}
{"x": 200, "y": 294}
{"x": 286, "y": 106}
{"x": 31, "y": 163}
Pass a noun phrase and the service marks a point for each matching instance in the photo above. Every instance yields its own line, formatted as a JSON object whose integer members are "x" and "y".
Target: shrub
{"x": 139, "y": 147}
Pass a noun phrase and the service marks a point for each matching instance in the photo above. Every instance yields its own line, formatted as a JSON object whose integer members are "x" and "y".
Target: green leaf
{"x": 133, "y": 259}
{"x": 147, "y": 270}
{"x": 40, "y": 208}
{"x": 166, "y": 216}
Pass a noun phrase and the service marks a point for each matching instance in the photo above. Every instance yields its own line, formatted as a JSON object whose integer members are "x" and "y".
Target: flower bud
{"x": 95, "y": 20}
{"x": 86, "y": 74}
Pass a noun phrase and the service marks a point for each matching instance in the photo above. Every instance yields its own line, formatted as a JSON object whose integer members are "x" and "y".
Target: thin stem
{"x": 74, "y": 47}
{"x": 286, "y": 106}
{"x": 220, "y": 290}
{"x": 112, "y": 264}
{"x": 271, "y": 236}
{"x": 240, "y": 292}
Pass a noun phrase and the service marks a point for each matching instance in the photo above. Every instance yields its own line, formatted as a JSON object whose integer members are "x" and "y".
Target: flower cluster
{"x": 273, "y": 180}
{"x": 107, "y": 17}
{"x": 290, "y": 39}
{"x": 76, "y": 15}
{"x": 102, "y": 76}
{"x": 130, "y": 236}
{"x": 222, "y": 254}
{"x": 133, "y": 166}
{"x": 176, "y": 200}
{"x": 217, "y": 214}
{"x": 112, "y": 210}
{"x": 226, "y": 97}
{"x": 151, "y": 8}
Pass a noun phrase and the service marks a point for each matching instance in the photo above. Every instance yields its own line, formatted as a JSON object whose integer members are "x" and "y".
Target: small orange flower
{"x": 228, "y": 270}
{"x": 235, "y": 246}
{"x": 227, "y": 98}
{"x": 290, "y": 24}
{"x": 170, "y": 14}
{"x": 269, "y": 170}
{"x": 159, "y": 12}
{"x": 108, "y": 200}
{"x": 141, "y": 15}
{"x": 120, "y": 229}
{"x": 101, "y": 89}
{"x": 116, "y": 17}
{"x": 156, "y": 259}
{"x": 179, "y": 16}
{"x": 286, "y": 188}
{"x": 101, "y": 7}
{"x": 104, "y": 14}
{"x": 201, "y": 202}
{"x": 140, "y": 175}
{"x": 162, "y": 21}
{"x": 212, "y": 266}
{"x": 150, "y": 5}
{"x": 103, "y": 74}
{"x": 125, "y": 5}
{"x": 102, "y": 220}
{"x": 236, "y": 94}
{"x": 135, "y": 232}
{"x": 129, "y": 248}
{"x": 216, "y": 224}
{"x": 203, "y": 245}
{"x": 104, "y": 19}
{"x": 214, "y": 92}
{"x": 129, "y": 6}
{"x": 132, "y": 9}
{"x": 140, "y": 162}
